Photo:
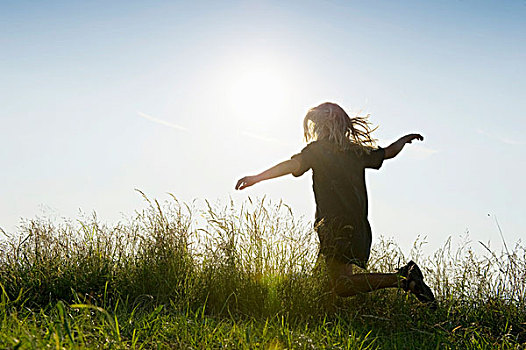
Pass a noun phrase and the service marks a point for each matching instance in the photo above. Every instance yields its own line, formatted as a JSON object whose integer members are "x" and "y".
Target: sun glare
{"x": 258, "y": 92}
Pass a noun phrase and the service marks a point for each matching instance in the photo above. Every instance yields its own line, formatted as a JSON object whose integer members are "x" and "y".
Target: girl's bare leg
{"x": 345, "y": 283}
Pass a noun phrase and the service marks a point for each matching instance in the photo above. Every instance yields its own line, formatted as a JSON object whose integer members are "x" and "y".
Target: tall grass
{"x": 233, "y": 269}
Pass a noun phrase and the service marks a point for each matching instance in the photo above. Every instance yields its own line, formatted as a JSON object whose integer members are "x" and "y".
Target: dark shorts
{"x": 344, "y": 242}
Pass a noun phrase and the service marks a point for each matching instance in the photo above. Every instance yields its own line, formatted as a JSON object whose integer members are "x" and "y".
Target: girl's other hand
{"x": 246, "y": 181}
{"x": 409, "y": 138}
{"x": 393, "y": 149}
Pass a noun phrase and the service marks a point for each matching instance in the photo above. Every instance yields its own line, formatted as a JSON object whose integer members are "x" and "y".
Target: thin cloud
{"x": 421, "y": 151}
{"x": 499, "y": 138}
{"x": 262, "y": 138}
{"x": 162, "y": 122}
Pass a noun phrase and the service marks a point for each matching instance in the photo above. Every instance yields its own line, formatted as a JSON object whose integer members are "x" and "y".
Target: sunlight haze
{"x": 100, "y": 98}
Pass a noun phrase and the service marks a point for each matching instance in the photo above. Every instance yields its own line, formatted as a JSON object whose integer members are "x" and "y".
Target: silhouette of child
{"x": 340, "y": 150}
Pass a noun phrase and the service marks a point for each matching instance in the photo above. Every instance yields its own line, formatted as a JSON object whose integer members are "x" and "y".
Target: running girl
{"x": 340, "y": 150}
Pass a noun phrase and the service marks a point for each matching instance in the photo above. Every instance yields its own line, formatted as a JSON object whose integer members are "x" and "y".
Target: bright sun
{"x": 257, "y": 91}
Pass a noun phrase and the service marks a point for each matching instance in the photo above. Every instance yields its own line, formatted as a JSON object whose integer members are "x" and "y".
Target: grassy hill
{"x": 239, "y": 276}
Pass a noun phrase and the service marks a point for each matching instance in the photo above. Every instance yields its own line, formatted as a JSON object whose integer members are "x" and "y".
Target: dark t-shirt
{"x": 338, "y": 180}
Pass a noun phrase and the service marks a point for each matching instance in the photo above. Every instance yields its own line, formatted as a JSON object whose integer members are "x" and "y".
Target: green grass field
{"x": 239, "y": 276}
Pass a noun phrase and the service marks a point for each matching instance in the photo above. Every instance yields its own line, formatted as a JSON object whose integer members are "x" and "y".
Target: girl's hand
{"x": 393, "y": 149}
{"x": 409, "y": 138}
{"x": 245, "y": 182}
{"x": 283, "y": 168}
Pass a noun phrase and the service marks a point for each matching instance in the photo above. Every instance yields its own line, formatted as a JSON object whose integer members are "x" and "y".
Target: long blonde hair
{"x": 329, "y": 121}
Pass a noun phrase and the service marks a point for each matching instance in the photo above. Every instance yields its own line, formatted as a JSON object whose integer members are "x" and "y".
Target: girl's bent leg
{"x": 345, "y": 283}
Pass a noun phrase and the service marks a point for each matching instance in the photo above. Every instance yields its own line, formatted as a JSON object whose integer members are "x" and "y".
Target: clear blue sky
{"x": 98, "y": 98}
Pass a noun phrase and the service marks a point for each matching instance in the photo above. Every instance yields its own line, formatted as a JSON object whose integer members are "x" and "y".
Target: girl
{"x": 340, "y": 150}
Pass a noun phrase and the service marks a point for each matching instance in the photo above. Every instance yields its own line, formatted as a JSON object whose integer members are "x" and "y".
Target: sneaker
{"x": 404, "y": 272}
{"x": 413, "y": 282}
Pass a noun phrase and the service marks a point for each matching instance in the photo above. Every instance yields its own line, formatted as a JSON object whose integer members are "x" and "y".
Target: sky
{"x": 100, "y": 98}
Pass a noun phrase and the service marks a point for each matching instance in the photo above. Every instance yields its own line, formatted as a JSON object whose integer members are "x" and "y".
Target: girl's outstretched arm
{"x": 283, "y": 168}
{"x": 393, "y": 149}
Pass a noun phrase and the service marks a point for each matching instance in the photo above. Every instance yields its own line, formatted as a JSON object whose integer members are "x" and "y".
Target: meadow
{"x": 239, "y": 276}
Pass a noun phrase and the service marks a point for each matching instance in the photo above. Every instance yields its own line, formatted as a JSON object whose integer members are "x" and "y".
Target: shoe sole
{"x": 418, "y": 287}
